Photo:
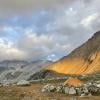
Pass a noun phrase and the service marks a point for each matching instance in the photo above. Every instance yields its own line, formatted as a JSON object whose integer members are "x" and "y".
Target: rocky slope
{"x": 46, "y": 74}
{"x": 13, "y": 71}
{"x": 83, "y": 60}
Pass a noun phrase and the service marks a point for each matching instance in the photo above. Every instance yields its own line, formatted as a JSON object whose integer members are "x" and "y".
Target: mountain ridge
{"x": 15, "y": 70}
{"x": 82, "y": 60}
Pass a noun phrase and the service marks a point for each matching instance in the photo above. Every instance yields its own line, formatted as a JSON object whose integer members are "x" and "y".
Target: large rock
{"x": 66, "y": 90}
{"x": 52, "y": 88}
{"x": 98, "y": 85}
{"x": 59, "y": 89}
{"x": 45, "y": 88}
{"x": 48, "y": 88}
{"x": 82, "y": 90}
{"x": 85, "y": 90}
{"x": 78, "y": 90}
{"x": 72, "y": 91}
{"x": 93, "y": 89}
{"x": 23, "y": 83}
{"x": 82, "y": 95}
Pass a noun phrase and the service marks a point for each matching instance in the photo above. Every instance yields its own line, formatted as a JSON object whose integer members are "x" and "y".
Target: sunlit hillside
{"x": 85, "y": 59}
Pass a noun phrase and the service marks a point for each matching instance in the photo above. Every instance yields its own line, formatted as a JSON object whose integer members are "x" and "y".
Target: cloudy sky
{"x": 37, "y": 29}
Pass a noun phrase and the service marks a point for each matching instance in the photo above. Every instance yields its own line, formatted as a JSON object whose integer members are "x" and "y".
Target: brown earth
{"x": 83, "y": 60}
{"x": 73, "y": 81}
{"x": 33, "y": 92}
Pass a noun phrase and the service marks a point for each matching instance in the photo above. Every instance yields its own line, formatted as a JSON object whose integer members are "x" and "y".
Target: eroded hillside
{"x": 83, "y": 60}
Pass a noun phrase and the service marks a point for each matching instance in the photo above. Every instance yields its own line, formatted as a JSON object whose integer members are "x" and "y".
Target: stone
{"x": 79, "y": 91}
{"x": 89, "y": 94}
{"x": 59, "y": 89}
{"x": 45, "y": 88}
{"x": 72, "y": 91}
{"x": 23, "y": 83}
{"x": 48, "y": 88}
{"x": 66, "y": 90}
{"x": 85, "y": 90}
{"x": 52, "y": 88}
{"x": 98, "y": 85}
{"x": 82, "y": 95}
{"x": 93, "y": 89}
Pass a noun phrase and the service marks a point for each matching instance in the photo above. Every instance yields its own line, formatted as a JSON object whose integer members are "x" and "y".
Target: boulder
{"x": 98, "y": 85}
{"x": 48, "y": 88}
{"x": 93, "y": 89}
{"x": 79, "y": 90}
{"x": 82, "y": 95}
{"x": 59, "y": 89}
{"x": 89, "y": 94}
{"x": 23, "y": 83}
{"x": 52, "y": 88}
{"x": 85, "y": 90}
{"x": 66, "y": 90}
{"x": 72, "y": 91}
{"x": 45, "y": 88}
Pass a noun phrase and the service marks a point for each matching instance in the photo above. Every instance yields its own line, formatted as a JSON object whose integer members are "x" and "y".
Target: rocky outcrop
{"x": 46, "y": 74}
{"x": 87, "y": 89}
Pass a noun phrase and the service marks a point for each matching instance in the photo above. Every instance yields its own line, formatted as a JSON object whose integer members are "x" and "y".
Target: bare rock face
{"x": 83, "y": 60}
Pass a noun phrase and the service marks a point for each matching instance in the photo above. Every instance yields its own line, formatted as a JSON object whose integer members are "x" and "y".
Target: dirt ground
{"x": 33, "y": 92}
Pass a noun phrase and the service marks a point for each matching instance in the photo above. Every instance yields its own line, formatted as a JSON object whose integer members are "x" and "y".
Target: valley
{"x": 33, "y": 92}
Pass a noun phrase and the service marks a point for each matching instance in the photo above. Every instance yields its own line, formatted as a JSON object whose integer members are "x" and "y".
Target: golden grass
{"x": 73, "y": 81}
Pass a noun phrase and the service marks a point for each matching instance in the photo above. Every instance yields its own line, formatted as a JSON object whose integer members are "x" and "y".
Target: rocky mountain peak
{"x": 84, "y": 59}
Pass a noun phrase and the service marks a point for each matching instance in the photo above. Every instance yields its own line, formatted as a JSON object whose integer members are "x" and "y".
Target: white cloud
{"x": 86, "y": 22}
{"x": 37, "y": 46}
{"x": 9, "y": 51}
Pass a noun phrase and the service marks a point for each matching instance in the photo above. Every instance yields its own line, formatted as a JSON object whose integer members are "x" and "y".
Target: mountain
{"x": 83, "y": 60}
{"x": 14, "y": 70}
{"x": 33, "y": 67}
{"x": 12, "y": 64}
